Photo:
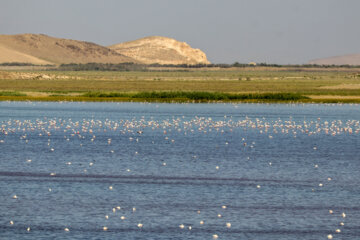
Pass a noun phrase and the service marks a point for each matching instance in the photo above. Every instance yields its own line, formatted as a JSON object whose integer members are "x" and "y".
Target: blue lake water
{"x": 183, "y": 171}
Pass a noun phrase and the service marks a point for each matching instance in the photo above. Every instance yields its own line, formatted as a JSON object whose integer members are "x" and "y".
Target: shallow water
{"x": 278, "y": 169}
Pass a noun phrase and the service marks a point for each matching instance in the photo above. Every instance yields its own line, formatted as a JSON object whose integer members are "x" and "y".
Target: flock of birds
{"x": 182, "y": 125}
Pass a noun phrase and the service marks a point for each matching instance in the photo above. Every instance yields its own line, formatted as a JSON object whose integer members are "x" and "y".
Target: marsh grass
{"x": 210, "y": 96}
{"x": 8, "y": 94}
{"x": 81, "y": 98}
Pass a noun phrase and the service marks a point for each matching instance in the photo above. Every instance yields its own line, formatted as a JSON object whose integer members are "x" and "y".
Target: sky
{"x": 228, "y": 31}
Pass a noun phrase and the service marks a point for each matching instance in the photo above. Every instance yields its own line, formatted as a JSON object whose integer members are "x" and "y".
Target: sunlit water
{"x": 271, "y": 171}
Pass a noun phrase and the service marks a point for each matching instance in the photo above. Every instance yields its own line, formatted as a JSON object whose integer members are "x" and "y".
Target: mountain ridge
{"x": 59, "y": 50}
{"x": 349, "y": 59}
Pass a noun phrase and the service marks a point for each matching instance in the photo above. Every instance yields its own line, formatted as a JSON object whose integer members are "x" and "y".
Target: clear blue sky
{"x": 272, "y": 31}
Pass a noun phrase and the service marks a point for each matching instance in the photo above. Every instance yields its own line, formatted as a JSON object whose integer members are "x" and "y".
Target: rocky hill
{"x": 43, "y": 49}
{"x": 161, "y": 50}
{"x": 353, "y": 59}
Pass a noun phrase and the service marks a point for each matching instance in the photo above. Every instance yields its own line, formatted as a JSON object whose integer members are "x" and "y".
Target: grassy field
{"x": 315, "y": 85}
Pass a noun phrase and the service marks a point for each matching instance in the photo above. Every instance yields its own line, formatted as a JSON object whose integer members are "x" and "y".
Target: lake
{"x": 75, "y": 170}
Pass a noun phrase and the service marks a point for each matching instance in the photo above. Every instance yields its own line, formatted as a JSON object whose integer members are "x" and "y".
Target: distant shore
{"x": 257, "y": 84}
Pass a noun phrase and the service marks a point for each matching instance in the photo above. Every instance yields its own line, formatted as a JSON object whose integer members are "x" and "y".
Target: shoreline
{"x": 313, "y": 99}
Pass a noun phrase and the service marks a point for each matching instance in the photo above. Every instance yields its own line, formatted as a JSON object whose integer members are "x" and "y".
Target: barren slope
{"x": 10, "y": 55}
{"x": 353, "y": 59}
{"x": 161, "y": 50}
{"x": 35, "y": 48}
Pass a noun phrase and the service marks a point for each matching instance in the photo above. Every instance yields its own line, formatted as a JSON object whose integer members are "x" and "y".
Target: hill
{"x": 43, "y": 49}
{"x": 353, "y": 59}
{"x": 161, "y": 50}
{"x": 10, "y": 55}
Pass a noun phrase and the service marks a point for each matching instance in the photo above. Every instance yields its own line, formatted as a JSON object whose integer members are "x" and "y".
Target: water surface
{"x": 271, "y": 170}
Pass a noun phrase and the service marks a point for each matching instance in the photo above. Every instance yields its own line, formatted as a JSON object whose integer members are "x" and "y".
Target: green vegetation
{"x": 23, "y": 64}
{"x": 7, "y": 94}
{"x": 101, "y": 67}
{"x": 143, "y": 67}
{"x": 199, "y": 96}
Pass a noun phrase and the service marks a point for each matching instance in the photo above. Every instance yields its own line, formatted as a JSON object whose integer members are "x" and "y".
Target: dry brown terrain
{"x": 161, "y": 50}
{"x": 353, "y": 59}
{"x": 43, "y": 49}
{"x": 33, "y": 76}
{"x": 10, "y": 55}
{"x": 342, "y": 86}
